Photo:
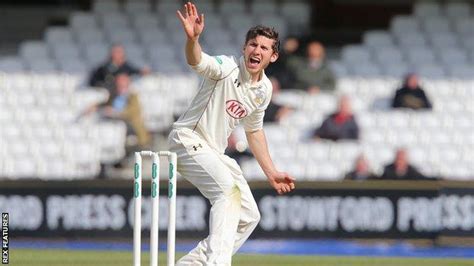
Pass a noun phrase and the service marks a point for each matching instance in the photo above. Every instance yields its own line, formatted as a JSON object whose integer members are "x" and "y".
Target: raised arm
{"x": 193, "y": 25}
{"x": 282, "y": 182}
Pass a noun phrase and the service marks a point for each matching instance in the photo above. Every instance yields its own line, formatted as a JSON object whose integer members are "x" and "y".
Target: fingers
{"x": 189, "y": 8}
{"x": 180, "y": 16}
{"x": 292, "y": 186}
{"x": 194, "y": 10}
{"x": 202, "y": 19}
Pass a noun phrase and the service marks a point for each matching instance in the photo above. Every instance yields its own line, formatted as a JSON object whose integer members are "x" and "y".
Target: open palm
{"x": 193, "y": 23}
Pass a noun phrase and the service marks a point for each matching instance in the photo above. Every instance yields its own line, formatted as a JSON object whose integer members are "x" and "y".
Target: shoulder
{"x": 225, "y": 60}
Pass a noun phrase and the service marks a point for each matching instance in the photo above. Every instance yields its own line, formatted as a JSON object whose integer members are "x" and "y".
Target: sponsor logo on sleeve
{"x": 218, "y": 59}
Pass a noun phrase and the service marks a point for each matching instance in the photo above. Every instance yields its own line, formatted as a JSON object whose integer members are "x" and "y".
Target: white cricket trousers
{"x": 234, "y": 213}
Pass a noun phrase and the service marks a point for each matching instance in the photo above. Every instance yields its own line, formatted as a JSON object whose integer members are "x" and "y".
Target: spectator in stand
{"x": 285, "y": 78}
{"x": 275, "y": 112}
{"x": 411, "y": 95}
{"x": 104, "y": 75}
{"x": 313, "y": 73}
{"x": 125, "y": 105}
{"x": 401, "y": 169}
{"x": 339, "y": 125}
{"x": 361, "y": 170}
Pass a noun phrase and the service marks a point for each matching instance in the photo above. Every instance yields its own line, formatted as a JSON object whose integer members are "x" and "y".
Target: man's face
{"x": 258, "y": 54}
{"x": 117, "y": 54}
{"x": 122, "y": 82}
{"x": 412, "y": 82}
{"x": 315, "y": 51}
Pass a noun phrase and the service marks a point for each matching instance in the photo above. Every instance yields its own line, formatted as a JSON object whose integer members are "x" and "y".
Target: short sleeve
{"x": 254, "y": 121}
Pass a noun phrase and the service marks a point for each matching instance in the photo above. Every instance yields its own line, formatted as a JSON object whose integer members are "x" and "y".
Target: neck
{"x": 256, "y": 77}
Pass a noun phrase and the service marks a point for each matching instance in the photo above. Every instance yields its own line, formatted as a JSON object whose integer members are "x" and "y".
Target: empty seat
{"x": 65, "y": 51}
{"x": 34, "y": 50}
{"x": 457, "y": 9}
{"x": 396, "y": 70}
{"x": 112, "y": 136}
{"x": 410, "y": 40}
{"x": 436, "y": 25}
{"x": 462, "y": 71}
{"x": 377, "y": 38}
{"x": 137, "y": 7}
{"x": 78, "y": 67}
{"x": 280, "y": 24}
{"x": 114, "y": 21}
{"x": 232, "y": 7}
{"x": 431, "y": 71}
{"x": 42, "y": 66}
{"x": 402, "y": 24}
{"x": 268, "y": 6}
{"x": 427, "y": 9}
{"x": 83, "y": 20}
{"x": 166, "y": 7}
{"x": 238, "y": 22}
{"x": 88, "y": 36}
{"x": 96, "y": 53}
{"x": 445, "y": 40}
{"x": 297, "y": 13}
{"x": 11, "y": 64}
{"x": 353, "y": 54}
{"x": 390, "y": 55}
{"x": 464, "y": 26}
{"x": 124, "y": 35}
{"x": 58, "y": 35}
{"x": 453, "y": 57}
{"x": 145, "y": 20}
{"x": 366, "y": 70}
{"x": 150, "y": 36}
{"x": 106, "y": 6}
{"x": 420, "y": 56}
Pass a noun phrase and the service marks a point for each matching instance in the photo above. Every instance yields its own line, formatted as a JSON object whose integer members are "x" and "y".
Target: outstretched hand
{"x": 282, "y": 182}
{"x": 193, "y": 24}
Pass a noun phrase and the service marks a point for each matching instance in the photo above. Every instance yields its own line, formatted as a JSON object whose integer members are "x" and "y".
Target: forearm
{"x": 258, "y": 146}
{"x": 193, "y": 52}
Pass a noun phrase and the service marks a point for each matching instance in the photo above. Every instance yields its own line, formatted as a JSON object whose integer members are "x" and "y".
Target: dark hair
{"x": 268, "y": 32}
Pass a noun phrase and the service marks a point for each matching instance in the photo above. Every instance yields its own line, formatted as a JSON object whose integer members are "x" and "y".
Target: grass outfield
{"x": 29, "y": 257}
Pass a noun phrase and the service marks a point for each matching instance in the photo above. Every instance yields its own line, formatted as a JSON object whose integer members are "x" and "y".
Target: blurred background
{"x": 372, "y": 112}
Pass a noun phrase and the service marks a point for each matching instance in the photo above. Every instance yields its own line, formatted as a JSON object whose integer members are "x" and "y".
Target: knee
{"x": 254, "y": 216}
{"x": 257, "y": 216}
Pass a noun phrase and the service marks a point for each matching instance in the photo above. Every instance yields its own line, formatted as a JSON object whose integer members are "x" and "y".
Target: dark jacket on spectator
{"x": 411, "y": 98}
{"x": 410, "y": 174}
{"x": 104, "y": 75}
{"x": 335, "y": 130}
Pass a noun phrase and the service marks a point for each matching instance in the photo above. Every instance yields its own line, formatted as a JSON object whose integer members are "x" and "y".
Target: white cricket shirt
{"x": 225, "y": 99}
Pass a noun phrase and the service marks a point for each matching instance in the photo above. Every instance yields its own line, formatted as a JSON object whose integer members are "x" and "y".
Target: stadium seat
{"x": 268, "y": 6}
{"x": 82, "y": 20}
{"x": 427, "y": 9}
{"x": 297, "y": 13}
{"x": 355, "y": 55}
{"x": 106, "y": 6}
{"x": 58, "y": 35}
{"x": 455, "y": 10}
{"x": 377, "y": 39}
{"x": 402, "y": 24}
{"x": 34, "y": 50}
{"x": 11, "y": 64}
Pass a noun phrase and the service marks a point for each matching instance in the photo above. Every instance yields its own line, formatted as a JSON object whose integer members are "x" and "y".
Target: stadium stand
{"x": 42, "y": 94}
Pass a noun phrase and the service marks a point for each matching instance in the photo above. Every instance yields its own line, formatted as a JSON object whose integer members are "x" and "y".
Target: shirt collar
{"x": 245, "y": 75}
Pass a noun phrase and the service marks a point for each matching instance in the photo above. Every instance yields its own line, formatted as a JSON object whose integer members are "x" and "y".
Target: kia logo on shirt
{"x": 235, "y": 109}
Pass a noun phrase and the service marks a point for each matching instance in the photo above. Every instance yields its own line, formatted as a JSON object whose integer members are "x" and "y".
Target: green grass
{"x": 27, "y": 257}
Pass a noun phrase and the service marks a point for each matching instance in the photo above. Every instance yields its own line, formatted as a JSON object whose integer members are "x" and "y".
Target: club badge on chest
{"x": 259, "y": 97}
